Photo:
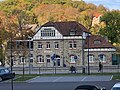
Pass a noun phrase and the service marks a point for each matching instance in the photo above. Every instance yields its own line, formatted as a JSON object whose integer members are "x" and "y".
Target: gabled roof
{"x": 96, "y": 14}
{"x": 103, "y": 42}
{"x": 65, "y": 27}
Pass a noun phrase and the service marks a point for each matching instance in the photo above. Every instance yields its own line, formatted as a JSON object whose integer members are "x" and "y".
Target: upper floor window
{"x": 56, "y": 45}
{"x": 97, "y": 42}
{"x": 48, "y": 45}
{"x": 30, "y": 44}
{"x": 47, "y": 32}
{"x": 72, "y": 45}
{"x": 72, "y": 32}
{"x": 39, "y": 45}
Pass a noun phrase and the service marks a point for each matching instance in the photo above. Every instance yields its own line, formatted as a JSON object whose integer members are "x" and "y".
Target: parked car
{"x": 5, "y": 74}
{"x": 116, "y": 86}
{"x": 88, "y": 87}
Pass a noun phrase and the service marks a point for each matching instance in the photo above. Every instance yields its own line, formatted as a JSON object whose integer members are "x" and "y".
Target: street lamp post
{"x": 88, "y": 57}
{"x": 11, "y": 61}
{"x": 29, "y": 54}
{"x": 83, "y": 61}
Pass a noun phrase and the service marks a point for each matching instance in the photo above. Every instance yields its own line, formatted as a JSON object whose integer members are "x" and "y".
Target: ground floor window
{"x": 91, "y": 58}
{"x": 102, "y": 57}
{"x": 73, "y": 58}
{"x": 40, "y": 58}
{"x": 48, "y": 58}
{"x": 22, "y": 59}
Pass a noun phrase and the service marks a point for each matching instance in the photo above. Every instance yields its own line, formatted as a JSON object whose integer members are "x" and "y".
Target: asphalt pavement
{"x": 69, "y": 78}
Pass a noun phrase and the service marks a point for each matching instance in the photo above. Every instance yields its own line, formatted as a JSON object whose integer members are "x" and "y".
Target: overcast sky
{"x": 111, "y": 4}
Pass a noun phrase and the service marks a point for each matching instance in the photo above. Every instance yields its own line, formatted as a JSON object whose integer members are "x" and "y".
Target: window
{"x": 97, "y": 42}
{"x": 40, "y": 59}
{"x": 31, "y": 57}
{"x": 72, "y": 45}
{"x": 72, "y": 33}
{"x": 48, "y": 45}
{"x": 102, "y": 57}
{"x": 48, "y": 58}
{"x": 91, "y": 58}
{"x": 18, "y": 44}
{"x": 39, "y": 45}
{"x": 73, "y": 58}
{"x": 30, "y": 44}
{"x": 22, "y": 59}
{"x": 56, "y": 45}
{"x": 48, "y": 32}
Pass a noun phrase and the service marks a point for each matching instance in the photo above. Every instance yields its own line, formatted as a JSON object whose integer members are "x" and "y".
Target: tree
{"x": 112, "y": 26}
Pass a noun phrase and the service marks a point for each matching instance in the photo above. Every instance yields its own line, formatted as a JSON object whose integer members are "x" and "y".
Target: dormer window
{"x": 72, "y": 32}
{"x": 97, "y": 42}
{"x": 47, "y": 32}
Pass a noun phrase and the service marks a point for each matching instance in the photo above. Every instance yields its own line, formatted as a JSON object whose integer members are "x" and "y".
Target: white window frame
{"x": 22, "y": 59}
{"x": 48, "y": 58}
{"x": 72, "y": 60}
{"x": 91, "y": 58}
{"x": 48, "y": 45}
{"x": 40, "y": 45}
{"x": 40, "y": 59}
{"x": 72, "y": 45}
{"x": 56, "y": 45}
{"x": 103, "y": 59}
{"x": 47, "y": 32}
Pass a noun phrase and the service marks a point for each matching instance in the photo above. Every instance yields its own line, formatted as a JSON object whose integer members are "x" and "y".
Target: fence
{"x": 64, "y": 70}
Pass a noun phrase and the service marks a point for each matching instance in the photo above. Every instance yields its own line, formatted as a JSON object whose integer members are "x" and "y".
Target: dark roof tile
{"x": 102, "y": 42}
{"x": 65, "y": 27}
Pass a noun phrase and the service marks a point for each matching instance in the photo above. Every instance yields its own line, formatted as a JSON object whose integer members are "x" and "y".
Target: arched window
{"x": 73, "y": 58}
{"x": 102, "y": 57}
{"x": 48, "y": 58}
{"x": 40, "y": 59}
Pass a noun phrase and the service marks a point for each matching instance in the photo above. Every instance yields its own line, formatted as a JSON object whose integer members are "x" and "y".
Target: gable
{"x": 47, "y": 33}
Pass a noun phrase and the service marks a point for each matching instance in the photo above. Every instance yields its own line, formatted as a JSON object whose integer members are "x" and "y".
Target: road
{"x": 54, "y": 85}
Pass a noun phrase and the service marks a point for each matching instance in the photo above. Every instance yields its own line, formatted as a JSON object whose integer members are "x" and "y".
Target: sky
{"x": 110, "y": 4}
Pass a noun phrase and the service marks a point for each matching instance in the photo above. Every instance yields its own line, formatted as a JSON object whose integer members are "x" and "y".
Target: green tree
{"x": 112, "y": 27}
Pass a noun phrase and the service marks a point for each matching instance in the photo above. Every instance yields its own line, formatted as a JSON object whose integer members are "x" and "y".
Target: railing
{"x": 65, "y": 70}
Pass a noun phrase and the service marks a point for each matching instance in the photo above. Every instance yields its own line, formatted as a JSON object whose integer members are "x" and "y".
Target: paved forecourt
{"x": 69, "y": 78}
